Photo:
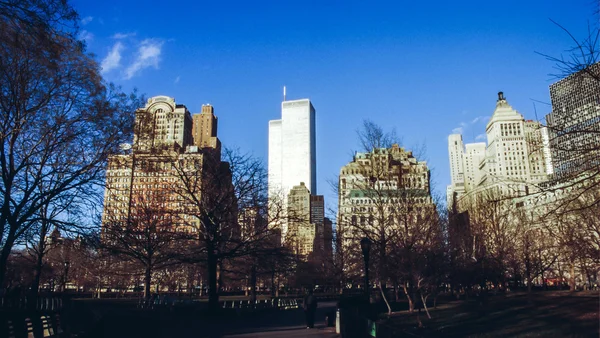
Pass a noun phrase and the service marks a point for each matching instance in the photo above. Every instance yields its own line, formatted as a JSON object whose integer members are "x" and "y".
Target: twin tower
{"x": 292, "y": 161}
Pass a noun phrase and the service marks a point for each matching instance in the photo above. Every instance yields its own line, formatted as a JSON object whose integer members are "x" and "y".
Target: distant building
{"x": 292, "y": 152}
{"x": 204, "y": 129}
{"x": 317, "y": 218}
{"x": 514, "y": 159}
{"x": 574, "y": 123}
{"x": 456, "y": 154}
{"x": 162, "y": 136}
{"x": 384, "y": 188}
{"x": 301, "y": 232}
{"x": 162, "y": 124}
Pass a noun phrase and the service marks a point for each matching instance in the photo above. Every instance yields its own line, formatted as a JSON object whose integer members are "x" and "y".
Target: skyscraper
{"x": 516, "y": 155}
{"x": 162, "y": 124}
{"x": 456, "y": 153}
{"x": 204, "y": 129}
{"x": 162, "y": 136}
{"x": 574, "y": 123}
{"x": 292, "y": 152}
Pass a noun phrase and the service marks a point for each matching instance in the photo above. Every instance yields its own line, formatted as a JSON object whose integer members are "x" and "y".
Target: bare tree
{"x": 215, "y": 193}
{"x": 59, "y": 121}
{"x": 148, "y": 237}
{"x": 385, "y": 196}
{"x": 372, "y": 136}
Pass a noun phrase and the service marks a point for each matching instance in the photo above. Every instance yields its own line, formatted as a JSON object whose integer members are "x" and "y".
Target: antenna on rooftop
{"x": 283, "y": 93}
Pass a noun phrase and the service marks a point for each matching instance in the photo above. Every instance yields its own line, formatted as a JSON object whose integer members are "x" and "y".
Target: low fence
{"x": 22, "y": 303}
{"x": 238, "y": 305}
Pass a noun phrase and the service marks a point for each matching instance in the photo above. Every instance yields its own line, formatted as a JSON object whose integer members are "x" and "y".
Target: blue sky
{"x": 425, "y": 68}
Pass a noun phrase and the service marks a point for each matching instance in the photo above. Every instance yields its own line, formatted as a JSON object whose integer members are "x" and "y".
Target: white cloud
{"x": 480, "y": 137}
{"x": 177, "y": 79}
{"x": 85, "y": 36}
{"x": 119, "y": 36}
{"x": 457, "y": 130}
{"x": 148, "y": 55}
{"x": 113, "y": 59}
{"x": 87, "y": 20}
{"x": 479, "y": 119}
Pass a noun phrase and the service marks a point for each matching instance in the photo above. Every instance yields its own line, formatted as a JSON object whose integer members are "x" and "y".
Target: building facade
{"x": 301, "y": 231}
{"x": 150, "y": 174}
{"x": 381, "y": 192}
{"x": 513, "y": 161}
{"x": 574, "y": 123}
{"x": 204, "y": 130}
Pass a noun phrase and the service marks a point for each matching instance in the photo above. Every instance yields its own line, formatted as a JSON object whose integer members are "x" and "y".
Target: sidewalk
{"x": 291, "y": 332}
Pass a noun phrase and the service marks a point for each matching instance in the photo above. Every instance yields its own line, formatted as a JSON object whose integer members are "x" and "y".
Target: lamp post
{"x": 67, "y": 264}
{"x": 365, "y": 245}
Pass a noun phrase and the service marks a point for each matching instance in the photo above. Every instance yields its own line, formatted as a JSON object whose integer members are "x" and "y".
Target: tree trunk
{"x": 424, "y": 300}
{"x": 35, "y": 285}
{"x": 253, "y": 285}
{"x": 213, "y": 294}
{"x": 411, "y": 305}
{"x": 147, "y": 281}
{"x": 385, "y": 299}
{"x": 572, "y": 277}
{"x": 273, "y": 284}
{"x": 8, "y": 244}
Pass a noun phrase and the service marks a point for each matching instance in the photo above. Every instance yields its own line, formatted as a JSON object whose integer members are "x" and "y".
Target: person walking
{"x": 310, "y": 307}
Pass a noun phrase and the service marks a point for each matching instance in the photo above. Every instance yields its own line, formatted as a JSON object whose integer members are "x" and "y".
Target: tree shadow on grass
{"x": 548, "y": 315}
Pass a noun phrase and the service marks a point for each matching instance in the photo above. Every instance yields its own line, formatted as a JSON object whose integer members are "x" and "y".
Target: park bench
{"x": 31, "y": 325}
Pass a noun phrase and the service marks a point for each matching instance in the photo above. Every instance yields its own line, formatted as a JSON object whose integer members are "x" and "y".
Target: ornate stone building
{"x": 381, "y": 192}
{"x": 150, "y": 173}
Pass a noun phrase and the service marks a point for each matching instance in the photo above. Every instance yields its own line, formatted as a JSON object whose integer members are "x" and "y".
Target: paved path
{"x": 289, "y": 324}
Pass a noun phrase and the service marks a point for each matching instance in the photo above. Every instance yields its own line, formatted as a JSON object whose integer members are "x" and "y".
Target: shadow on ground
{"x": 545, "y": 314}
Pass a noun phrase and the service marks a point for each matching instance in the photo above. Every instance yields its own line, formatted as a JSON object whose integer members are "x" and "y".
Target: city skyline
{"x": 363, "y": 63}
{"x": 150, "y": 179}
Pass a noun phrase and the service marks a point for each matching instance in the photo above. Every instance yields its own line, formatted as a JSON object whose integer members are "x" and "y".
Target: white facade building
{"x": 457, "y": 178}
{"x": 473, "y": 158}
{"x": 292, "y": 151}
{"x": 516, "y": 155}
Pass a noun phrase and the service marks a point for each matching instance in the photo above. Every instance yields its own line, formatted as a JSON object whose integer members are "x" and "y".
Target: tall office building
{"x": 162, "y": 135}
{"x": 204, "y": 130}
{"x": 292, "y": 152}
{"x": 574, "y": 123}
{"x": 317, "y": 218}
{"x": 515, "y": 156}
{"x": 162, "y": 124}
{"x": 456, "y": 152}
{"x": 515, "y": 148}
{"x": 474, "y": 155}
{"x": 301, "y": 232}
{"x": 457, "y": 178}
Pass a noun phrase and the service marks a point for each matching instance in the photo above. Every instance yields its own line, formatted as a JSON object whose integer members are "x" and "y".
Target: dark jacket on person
{"x": 310, "y": 302}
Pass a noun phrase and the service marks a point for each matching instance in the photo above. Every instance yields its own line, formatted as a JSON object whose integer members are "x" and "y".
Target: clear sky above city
{"x": 425, "y": 68}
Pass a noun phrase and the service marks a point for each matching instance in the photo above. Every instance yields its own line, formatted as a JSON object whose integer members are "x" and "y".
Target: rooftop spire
{"x": 501, "y": 96}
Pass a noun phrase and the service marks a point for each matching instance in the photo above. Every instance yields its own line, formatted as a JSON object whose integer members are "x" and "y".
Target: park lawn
{"x": 550, "y": 314}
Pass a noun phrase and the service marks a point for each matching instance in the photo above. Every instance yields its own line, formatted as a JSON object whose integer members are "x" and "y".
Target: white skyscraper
{"x": 456, "y": 153}
{"x": 515, "y": 156}
{"x": 292, "y": 150}
{"x": 472, "y": 159}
